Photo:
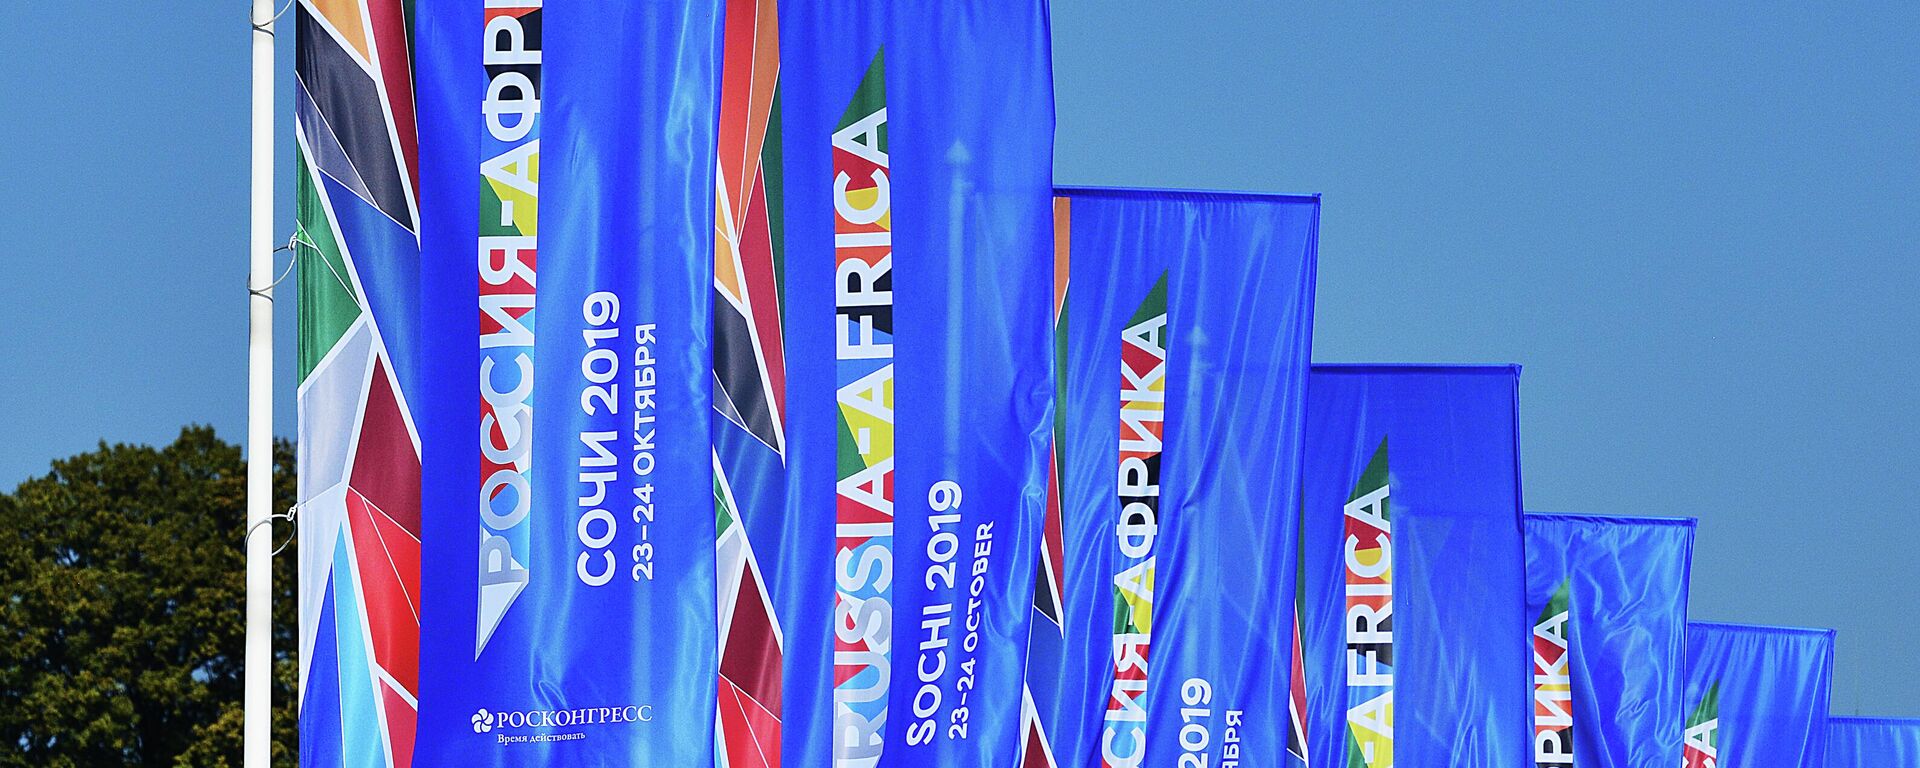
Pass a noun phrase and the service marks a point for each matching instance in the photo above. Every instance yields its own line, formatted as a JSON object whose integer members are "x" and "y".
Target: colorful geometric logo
{"x": 749, "y": 374}
{"x": 1050, "y": 580}
{"x": 1050, "y": 577}
{"x": 749, "y": 354}
{"x": 509, "y": 254}
{"x": 1552, "y": 685}
{"x": 1369, "y": 616}
{"x": 359, "y": 466}
{"x": 1143, "y": 411}
{"x": 863, "y": 520}
{"x": 1700, "y": 742}
{"x": 748, "y": 721}
{"x": 1297, "y": 690}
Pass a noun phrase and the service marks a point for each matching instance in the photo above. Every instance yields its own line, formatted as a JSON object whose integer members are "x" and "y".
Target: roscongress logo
{"x": 486, "y": 720}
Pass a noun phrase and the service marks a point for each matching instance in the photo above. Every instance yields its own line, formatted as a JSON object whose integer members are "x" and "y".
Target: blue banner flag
{"x": 1414, "y": 615}
{"x": 1869, "y": 742}
{"x": 569, "y": 550}
{"x": 1608, "y": 600}
{"x": 916, "y": 141}
{"x": 1165, "y": 581}
{"x": 1756, "y": 697}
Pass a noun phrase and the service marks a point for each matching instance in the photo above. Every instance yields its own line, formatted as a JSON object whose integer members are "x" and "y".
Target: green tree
{"x": 121, "y": 634}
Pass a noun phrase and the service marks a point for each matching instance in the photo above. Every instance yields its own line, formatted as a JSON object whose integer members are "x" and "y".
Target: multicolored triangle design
{"x": 359, "y": 460}
{"x": 749, "y": 373}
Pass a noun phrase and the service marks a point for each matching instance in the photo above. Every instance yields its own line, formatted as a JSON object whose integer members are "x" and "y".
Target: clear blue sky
{"x": 1698, "y": 228}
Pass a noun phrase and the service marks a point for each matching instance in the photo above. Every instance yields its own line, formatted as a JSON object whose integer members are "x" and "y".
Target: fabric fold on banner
{"x": 1415, "y": 632}
{"x": 1756, "y": 697}
{"x": 1608, "y": 601}
{"x": 357, "y": 245}
{"x": 1861, "y": 742}
{"x": 1165, "y": 581}
{"x": 916, "y": 142}
{"x": 569, "y": 538}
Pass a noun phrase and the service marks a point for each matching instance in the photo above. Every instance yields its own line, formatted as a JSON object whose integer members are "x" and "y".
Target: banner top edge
{"x": 1760, "y": 629}
{"x": 1176, "y": 193}
{"x": 1678, "y": 522}
{"x": 1363, "y": 368}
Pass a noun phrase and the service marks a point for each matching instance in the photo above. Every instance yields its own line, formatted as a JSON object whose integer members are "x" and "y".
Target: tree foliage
{"x": 121, "y": 635}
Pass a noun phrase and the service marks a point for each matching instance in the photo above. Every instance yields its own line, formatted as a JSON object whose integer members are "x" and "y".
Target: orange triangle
{"x": 345, "y": 17}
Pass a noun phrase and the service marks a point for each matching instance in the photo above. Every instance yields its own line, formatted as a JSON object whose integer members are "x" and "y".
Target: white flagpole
{"x": 256, "y": 730}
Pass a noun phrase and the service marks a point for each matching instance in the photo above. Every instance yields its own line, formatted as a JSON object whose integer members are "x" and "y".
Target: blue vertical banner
{"x": 916, "y": 142}
{"x": 1163, "y": 607}
{"x": 568, "y": 534}
{"x": 1414, "y": 615}
{"x": 1861, "y": 742}
{"x": 1756, "y": 697}
{"x": 1608, "y": 601}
